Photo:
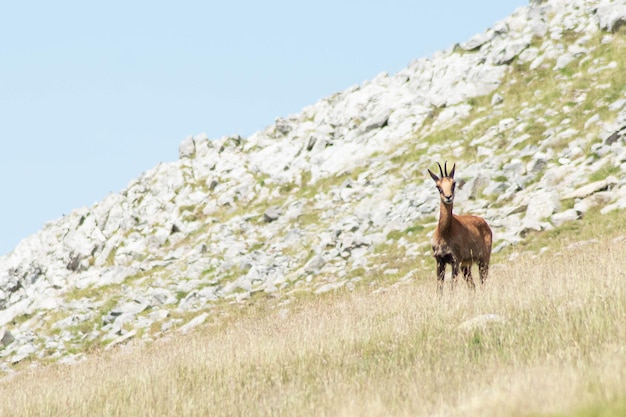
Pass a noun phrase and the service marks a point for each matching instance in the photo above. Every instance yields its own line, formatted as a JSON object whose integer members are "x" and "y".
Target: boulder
{"x": 591, "y": 188}
{"x": 195, "y": 322}
{"x": 617, "y": 135}
{"x": 540, "y": 207}
{"x": 187, "y": 148}
{"x": 477, "y": 41}
{"x": 565, "y": 216}
{"x": 510, "y": 51}
{"x": 272, "y": 214}
{"x": 481, "y": 321}
{"x": 611, "y": 16}
{"x": 6, "y": 338}
{"x": 313, "y": 266}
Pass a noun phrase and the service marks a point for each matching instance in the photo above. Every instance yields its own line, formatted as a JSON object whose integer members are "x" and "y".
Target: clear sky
{"x": 94, "y": 93}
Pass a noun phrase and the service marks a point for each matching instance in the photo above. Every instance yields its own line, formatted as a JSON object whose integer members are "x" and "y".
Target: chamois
{"x": 459, "y": 240}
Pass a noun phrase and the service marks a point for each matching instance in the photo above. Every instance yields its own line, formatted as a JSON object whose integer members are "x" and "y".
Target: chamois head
{"x": 445, "y": 182}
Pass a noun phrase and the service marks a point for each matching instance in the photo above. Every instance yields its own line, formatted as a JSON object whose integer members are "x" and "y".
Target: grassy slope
{"x": 397, "y": 351}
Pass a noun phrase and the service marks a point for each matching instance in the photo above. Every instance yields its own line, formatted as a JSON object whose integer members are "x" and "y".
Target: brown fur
{"x": 460, "y": 241}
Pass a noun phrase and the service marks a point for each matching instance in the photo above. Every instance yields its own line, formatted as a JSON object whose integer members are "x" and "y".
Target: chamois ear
{"x": 433, "y": 176}
{"x": 452, "y": 172}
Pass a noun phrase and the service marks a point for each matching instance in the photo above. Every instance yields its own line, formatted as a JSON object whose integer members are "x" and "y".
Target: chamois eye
{"x": 439, "y": 188}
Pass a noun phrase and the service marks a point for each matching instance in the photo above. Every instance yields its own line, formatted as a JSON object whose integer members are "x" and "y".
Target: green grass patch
{"x": 593, "y": 225}
{"x": 604, "y": 172}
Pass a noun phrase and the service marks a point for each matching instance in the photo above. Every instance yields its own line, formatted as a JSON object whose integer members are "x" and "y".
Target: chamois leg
{"x": 483, "y": 270}
{"x": 467, "y": 274}
{"x": 455, "y": 274}
{"x": 441, "y": 274}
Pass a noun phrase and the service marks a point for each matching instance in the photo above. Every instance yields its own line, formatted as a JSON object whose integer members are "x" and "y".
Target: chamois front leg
{"x": 455, "y": 273}
{"x": 441, "y": 274}
{"x": 467, "y": 274}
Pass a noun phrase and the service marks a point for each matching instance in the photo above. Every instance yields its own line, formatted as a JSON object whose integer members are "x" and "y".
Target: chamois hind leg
{"x": 483, "y": 270}
{"x": 441, "y": 274}
{"x": 467, "y": 274}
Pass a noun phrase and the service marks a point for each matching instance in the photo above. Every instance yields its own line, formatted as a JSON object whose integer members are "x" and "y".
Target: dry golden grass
{"x": 397, "y": 352}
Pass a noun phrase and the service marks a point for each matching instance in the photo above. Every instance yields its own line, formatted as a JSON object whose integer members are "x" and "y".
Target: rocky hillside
{"x": 533, "y": 111}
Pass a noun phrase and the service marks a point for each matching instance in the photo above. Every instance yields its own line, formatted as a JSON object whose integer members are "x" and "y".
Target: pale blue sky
{"x": 94, "y": 93}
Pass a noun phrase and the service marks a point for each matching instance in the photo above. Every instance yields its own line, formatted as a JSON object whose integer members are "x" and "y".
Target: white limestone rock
{"x": 611, "y": 15}
{"x": 541, "y": 206}
{"x": 187, "y": 148}
{"x": 478, "y": 40}
{"x": 6, "y": 338}
{"x": 565, "y": 216}
{"x": 591, "y": 188}
{"x": 482, "y": 321}
{"x": 195, "y": 322}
